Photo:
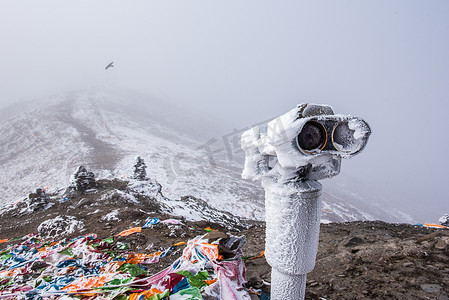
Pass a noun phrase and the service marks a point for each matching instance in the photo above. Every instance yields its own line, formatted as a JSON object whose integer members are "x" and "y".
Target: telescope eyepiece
{"x": 343, "y": 138}
{"x": 312, "y": 137}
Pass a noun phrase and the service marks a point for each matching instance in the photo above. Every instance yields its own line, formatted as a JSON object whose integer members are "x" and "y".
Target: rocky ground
{"x": 356, "y": 260}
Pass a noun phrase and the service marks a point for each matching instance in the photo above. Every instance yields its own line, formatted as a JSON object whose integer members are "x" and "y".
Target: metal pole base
{"x": 284, "y": 286}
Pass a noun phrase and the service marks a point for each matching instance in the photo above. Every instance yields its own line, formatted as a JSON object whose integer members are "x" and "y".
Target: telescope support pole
{"x": 284, "y": 286}
{"x": 293, "y": 213}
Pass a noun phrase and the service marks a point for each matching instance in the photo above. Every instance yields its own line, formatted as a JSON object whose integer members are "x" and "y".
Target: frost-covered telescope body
{"x": 289, "y": 154}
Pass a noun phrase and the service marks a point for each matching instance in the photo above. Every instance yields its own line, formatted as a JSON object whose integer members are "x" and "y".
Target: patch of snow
{"x": 60, "y": 226}
{"x": 444, "y": 220}
{"x": 126, "y": 196}
{"x": 49, "y": 204}
{"x": 112, "y": 216}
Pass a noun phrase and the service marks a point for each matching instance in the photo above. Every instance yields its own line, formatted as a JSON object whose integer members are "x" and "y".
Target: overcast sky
{"x": 245, "y": 61}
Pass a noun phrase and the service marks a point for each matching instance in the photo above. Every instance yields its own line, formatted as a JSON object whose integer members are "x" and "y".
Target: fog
{"x": 242, "y": 62}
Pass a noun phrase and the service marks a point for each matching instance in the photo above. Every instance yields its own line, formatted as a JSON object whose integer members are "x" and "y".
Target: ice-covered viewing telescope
{"x": 289, "y": 154}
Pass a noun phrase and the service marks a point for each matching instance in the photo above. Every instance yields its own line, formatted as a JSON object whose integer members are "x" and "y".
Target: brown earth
{"x": 356, "y": 260}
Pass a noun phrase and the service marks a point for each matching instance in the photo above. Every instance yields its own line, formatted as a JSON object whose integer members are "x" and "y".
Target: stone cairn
{"x": 37, "y": 201}
{"x": 83, "y": 182}
{"x": 139, "y": 169}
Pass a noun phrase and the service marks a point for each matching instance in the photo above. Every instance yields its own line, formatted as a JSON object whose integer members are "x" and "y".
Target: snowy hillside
{"x": 43, "y": 145}
{"x": 105, "y": 129}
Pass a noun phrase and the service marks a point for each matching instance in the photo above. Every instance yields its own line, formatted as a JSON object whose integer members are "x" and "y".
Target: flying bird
{"x": 110, "y": 65}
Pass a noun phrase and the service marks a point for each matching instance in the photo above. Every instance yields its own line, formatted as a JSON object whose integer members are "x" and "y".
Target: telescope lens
{"x": 312, "y": 136}
{"x": 343, "y": 138}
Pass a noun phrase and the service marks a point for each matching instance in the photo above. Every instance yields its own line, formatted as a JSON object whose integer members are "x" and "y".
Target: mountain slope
{"x": 105, "y": 129}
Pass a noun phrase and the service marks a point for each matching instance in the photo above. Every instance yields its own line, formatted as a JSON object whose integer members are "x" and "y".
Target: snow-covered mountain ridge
{"x": 105, "y": 129}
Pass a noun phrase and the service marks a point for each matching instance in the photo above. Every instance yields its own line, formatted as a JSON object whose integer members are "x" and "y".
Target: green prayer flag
{"x": 195, "y": 280}
{"x": 165, "y": 294}
{"x": 109, "y": 240}
{"x": 67, "y": 251}
{"x": 191, "y": 293}
{"x": 134, "y": 270}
